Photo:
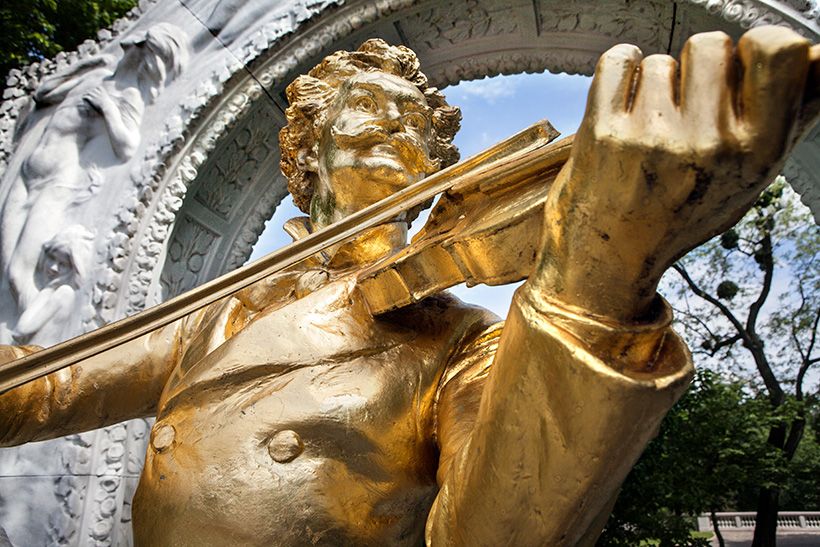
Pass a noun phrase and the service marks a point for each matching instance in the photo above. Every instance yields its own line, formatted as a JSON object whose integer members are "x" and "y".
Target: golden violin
{"x": 505, "y": 199}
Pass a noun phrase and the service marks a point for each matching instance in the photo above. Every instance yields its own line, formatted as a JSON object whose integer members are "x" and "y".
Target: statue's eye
{"x": 415, "y": 120}
{"x": 364, "y": 104}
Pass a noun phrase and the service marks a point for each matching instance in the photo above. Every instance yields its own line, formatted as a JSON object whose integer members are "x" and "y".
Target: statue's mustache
{"x": 406, "y": 144}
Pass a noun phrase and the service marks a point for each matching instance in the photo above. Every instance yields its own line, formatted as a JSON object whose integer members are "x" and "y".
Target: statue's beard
{"x": 407, "y": 146}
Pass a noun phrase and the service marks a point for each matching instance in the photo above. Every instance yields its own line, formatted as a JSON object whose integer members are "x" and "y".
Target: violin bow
{"x": 523, "y": 147}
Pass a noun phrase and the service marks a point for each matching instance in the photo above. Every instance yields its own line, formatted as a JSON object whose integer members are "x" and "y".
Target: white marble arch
{"x": 192, "y": 201}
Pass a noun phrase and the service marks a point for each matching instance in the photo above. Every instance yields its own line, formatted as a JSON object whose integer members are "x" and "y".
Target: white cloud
{"x": 488, "y": 89}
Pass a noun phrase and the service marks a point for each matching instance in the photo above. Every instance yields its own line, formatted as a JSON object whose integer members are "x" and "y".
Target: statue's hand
{"x": 97, "y": 98}
{"x": 664, "y": 160}
{"x": 12, "y": 353}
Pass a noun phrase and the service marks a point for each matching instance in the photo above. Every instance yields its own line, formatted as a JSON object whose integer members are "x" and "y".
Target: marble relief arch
{"x": 187, "y": 200}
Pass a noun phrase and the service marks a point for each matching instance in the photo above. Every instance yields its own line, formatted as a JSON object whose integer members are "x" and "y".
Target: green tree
{"x": 31, "y": 30}
{"x": 801, "y": 489}
{"x": 738, "y": 317}
{"x": 711, "y": 444}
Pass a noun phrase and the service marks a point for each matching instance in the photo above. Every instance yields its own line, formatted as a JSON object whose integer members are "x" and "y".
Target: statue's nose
{"x": 395, "y": 126}
{"x": 393, "y": 121}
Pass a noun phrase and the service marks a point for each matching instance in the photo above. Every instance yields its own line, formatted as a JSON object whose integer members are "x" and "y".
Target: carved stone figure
{"x": 61, "y": 271}
{"x": 289, "y": 414}
{"x": 95, "y": 123}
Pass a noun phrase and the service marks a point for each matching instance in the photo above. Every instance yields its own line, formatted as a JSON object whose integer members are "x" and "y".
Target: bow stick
{"x": 521, "y": 156}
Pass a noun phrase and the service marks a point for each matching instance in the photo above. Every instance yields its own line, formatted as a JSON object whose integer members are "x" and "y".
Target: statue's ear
{"x": 308, "y": 160}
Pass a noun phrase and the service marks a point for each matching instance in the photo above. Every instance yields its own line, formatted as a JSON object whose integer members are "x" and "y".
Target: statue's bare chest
{"x": 314, "y": 415}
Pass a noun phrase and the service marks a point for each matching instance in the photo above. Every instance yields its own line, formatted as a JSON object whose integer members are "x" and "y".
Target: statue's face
{"x": 375, "y": 142}
{"x": 56, "y": 267}
{"x": 133, "y": 50}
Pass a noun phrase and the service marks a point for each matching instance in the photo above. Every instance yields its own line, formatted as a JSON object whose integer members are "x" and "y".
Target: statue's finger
{"x": 654, "y": 101}
{"x": 611, "y": 89}
{"x": 775, "y": 63}
{"x": 708, "y": 81}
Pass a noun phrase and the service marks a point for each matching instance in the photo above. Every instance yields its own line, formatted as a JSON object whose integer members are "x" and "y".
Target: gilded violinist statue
{"x": 289, "y": 414}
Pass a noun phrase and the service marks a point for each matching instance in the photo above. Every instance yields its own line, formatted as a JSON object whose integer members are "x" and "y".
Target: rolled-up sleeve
{"x": 537, "y": 440}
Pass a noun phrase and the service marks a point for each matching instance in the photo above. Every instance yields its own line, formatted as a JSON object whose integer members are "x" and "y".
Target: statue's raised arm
{"x": 586, "y": 366}
{"x": 668, "y": 155}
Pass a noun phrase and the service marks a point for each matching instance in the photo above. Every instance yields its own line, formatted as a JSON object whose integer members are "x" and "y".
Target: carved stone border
{"x": 799, "y": 15}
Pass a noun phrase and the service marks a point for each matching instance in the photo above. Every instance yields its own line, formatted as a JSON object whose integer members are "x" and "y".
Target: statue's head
{"x": 362, "y": 125}
{"x": 65, "y": 258}
{"x": 159, "y": 55}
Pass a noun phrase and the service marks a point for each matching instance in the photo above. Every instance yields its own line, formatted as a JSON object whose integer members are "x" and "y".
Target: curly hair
{"x": 310, "y": 97}
{"x": 164, "y": 57}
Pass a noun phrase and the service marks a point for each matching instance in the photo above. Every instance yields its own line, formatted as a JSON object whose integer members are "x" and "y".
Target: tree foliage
{"x": 31, "y": 30}
{"x": 748, "y": 303}
{"x": 802, "y": 484}
{"x": 712, "y": 443}
{"x": 710, "y": 455}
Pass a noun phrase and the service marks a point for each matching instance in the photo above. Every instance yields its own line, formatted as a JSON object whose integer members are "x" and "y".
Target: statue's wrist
{"x": 601, "y": 292}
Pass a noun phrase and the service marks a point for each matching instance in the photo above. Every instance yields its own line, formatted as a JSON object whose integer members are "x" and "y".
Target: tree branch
{"x": 696, "y": 318}
{"x": 768, "y": 275}
{"x": 712, "y": 300}
{"x": 728, "y": 341}
{"x": 793, "y": 324}
{"x": 796, "y": 428}
{"x": 807, "y": 360}
{"x": 750, "y": 340}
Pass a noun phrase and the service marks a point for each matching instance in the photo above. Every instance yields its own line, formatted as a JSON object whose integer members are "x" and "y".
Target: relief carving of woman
{"x": 95, "y": 123}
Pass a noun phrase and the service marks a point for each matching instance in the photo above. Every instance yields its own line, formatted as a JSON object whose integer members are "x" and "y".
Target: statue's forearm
{"x": 54, "y": 88}
{"x": 568, "y": 407}
{"x": 119, "y": 384}
{"x": 123, "y": 128}
{"x": 584, "y": 267}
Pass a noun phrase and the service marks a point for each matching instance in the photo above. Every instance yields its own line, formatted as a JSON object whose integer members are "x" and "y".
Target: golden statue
{"x": 296, "y": 413}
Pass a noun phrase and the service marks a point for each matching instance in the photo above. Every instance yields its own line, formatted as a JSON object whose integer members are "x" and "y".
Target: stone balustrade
{"x": 790, "y": 520}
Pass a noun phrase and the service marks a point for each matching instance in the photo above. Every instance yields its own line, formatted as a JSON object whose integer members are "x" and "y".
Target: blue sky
{"x": 492, "y": 109}
{"x": 495, "y": 108}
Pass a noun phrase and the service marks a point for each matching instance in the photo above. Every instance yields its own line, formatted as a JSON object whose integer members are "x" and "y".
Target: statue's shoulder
{"x": 448, "y": 315}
